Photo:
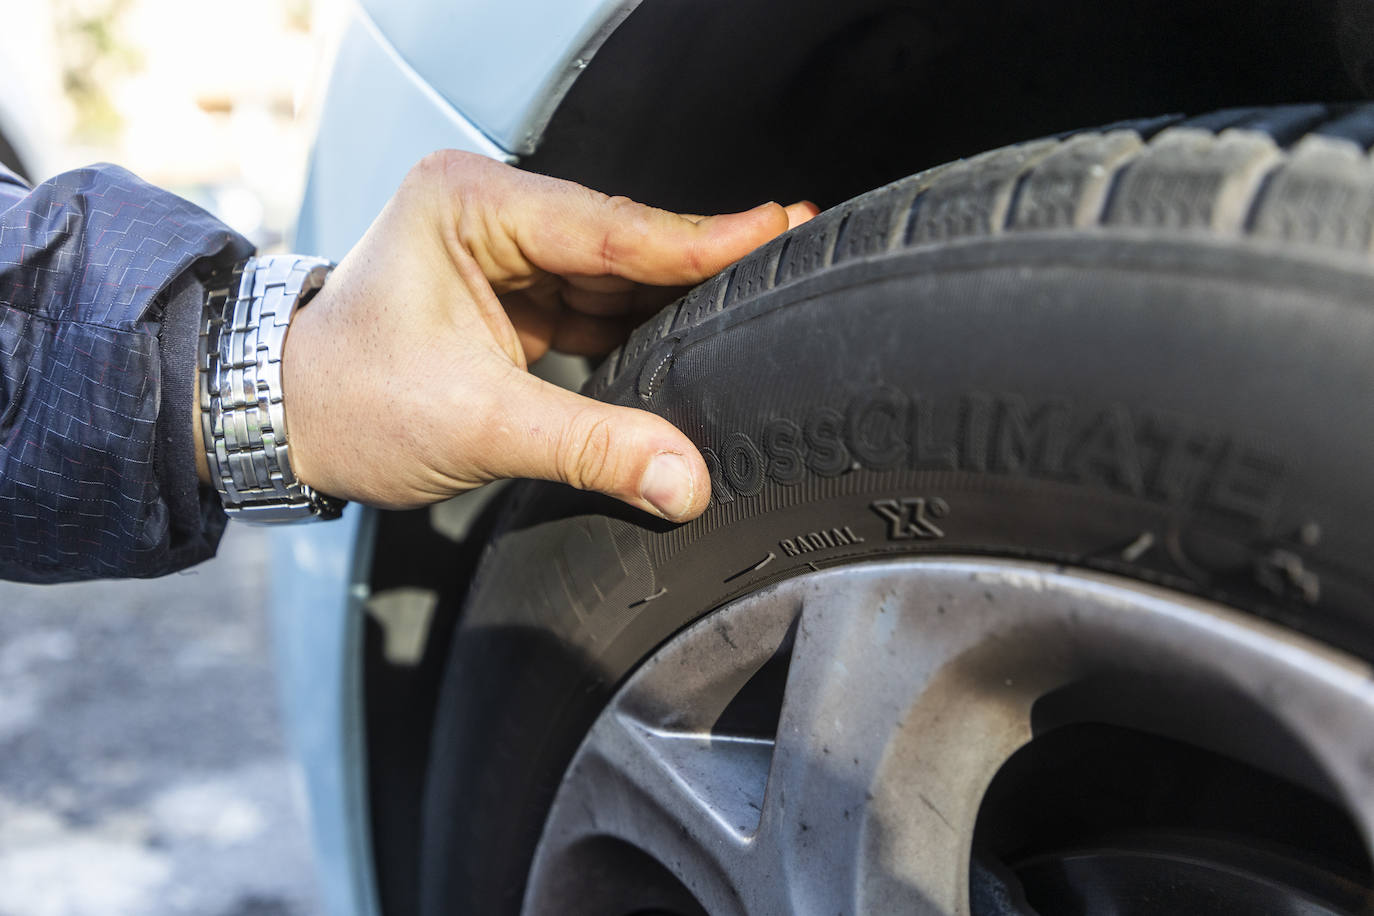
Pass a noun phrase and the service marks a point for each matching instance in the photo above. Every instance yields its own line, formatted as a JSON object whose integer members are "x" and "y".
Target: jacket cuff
{"x": 196, "y": 518}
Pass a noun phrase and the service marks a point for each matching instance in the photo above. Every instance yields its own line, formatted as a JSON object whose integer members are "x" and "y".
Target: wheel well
{"x": 705, "y": 113}
{"x": 823, "y": 100}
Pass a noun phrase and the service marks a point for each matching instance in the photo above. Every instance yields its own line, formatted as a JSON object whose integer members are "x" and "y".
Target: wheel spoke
{"x": 711, "y": 786}
{"x": 689, "y": 799}
{"x": 883, "y": 755}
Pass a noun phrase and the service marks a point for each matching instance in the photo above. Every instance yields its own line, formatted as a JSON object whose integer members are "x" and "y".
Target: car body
{"x": 682, "y": 103}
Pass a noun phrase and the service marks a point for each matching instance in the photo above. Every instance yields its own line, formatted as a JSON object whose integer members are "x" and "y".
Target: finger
{"x": 601, "y": 284}
{"x": 615, "y": 235}
{"x": 635, "y": 456}
{"x": 589, "y": 335}
{"x": 599, "y": 302}
{"x": 800, "y": 212}
{"x": 534, "y": 343}
{"x": 630, "y": 299}
{"x": 512, "y": 223}
{"x": 565, "y": 330}
{"x": 650, "y": 299}
{"x": 534, "y": 315}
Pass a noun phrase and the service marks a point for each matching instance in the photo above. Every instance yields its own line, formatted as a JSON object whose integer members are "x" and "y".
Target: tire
{"x": 1142, "y": 350}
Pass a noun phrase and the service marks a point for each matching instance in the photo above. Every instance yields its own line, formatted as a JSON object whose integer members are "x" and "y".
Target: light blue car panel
{"x": 317, "y": 632}
{"x": 505, "y": 65}
{"x": 379, "y": 118}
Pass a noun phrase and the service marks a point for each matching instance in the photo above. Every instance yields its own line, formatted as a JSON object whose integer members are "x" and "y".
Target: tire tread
{"x": 1296, "y": 175}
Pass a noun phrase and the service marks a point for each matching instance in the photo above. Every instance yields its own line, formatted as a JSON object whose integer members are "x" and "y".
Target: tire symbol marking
{"x": 658, "y": 594}
{"x": 912, "y": 517}
{"x": 1139, "y": 547}
{"x": 755, "y": 568}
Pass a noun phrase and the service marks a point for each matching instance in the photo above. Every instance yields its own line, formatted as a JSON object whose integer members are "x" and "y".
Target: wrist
{"x": 304, "y": 379}
{"x": 198, "y": 435}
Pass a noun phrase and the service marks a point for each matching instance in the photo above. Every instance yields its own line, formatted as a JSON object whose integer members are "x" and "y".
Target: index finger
{"x": 571, "y": 230}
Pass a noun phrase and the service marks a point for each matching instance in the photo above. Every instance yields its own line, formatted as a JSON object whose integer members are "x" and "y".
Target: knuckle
{"x": 440, "y": 166}
{"x": 618, "y": 204}
{"x": 588, "y": 459}
{"x": 697, "y": 262}
{"x": 620, "y": 213}
{"x": 429, "y": 168}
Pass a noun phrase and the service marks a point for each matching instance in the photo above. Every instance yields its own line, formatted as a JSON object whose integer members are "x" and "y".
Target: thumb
{"x": 633, "y": 455}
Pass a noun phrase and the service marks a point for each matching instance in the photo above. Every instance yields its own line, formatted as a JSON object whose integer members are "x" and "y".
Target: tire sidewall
{"x": 1184, "y": 413}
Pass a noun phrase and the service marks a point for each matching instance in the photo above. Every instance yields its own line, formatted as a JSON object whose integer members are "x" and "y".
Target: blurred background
{"x": 142, "y": 765}
{"x": 208, "y": 99}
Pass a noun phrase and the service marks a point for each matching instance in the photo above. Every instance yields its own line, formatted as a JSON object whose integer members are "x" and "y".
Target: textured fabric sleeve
{"x": 97, "y": 280}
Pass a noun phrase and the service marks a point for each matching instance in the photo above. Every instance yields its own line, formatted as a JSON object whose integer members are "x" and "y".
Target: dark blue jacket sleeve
{"x": 99, "y": 307}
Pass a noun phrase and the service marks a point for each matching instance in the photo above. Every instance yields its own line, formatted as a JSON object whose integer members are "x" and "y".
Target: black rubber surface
{"x": 1144, "y": 350}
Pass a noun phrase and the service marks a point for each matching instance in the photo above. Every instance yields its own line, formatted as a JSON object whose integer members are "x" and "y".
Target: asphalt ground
{"x": 142, "y": 762}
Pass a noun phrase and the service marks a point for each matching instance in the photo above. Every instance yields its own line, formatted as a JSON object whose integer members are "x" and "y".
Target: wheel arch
{"x": 826, "y": 100}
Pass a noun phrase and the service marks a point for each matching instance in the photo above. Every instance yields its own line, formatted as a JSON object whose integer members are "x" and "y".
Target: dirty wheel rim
{"x": 824, "y": 745}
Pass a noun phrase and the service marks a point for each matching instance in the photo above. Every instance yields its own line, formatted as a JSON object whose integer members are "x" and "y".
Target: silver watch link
{"x": 243, "y": 418}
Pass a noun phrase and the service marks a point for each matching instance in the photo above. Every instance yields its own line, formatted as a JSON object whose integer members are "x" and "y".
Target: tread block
{"x": 808, "y": 249}
{"x": 754, "y": 275}
{"x": 875, "y": 221}
{"x": 1192, "y": 179}
{"x": 864, "y": 231}
{"x": 1068, "y": 187}
{"x": 604, "y": 374}
{"x": 1323, "y": 196}
{"x": 648, "y": 334}
{"x": 704, "y": 299}
{"x": 972, "y": 197}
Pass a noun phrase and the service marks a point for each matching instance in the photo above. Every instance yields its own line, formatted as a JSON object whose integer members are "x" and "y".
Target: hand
{"x": 404, "y": 379}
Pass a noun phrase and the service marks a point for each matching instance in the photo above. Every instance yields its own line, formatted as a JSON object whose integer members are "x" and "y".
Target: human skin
{"x": 405, "y": 379}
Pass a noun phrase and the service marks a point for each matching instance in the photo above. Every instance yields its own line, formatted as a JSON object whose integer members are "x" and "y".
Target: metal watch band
{"x": 243, "y": 420}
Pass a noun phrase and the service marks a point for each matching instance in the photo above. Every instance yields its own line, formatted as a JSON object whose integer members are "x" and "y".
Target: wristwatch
{"x": 243, "y": 419}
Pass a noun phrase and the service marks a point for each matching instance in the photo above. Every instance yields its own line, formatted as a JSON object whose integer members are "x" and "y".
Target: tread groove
{"x": 913, "y": 214}
{"x": 1260, "y": 195}
{"x": 782, "y": 257}
{"x": 723, "y": 293}
{"x": 1109, "y": 196}
{"x": 834, "y": 247}
{"x": 1014, "y": 199}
